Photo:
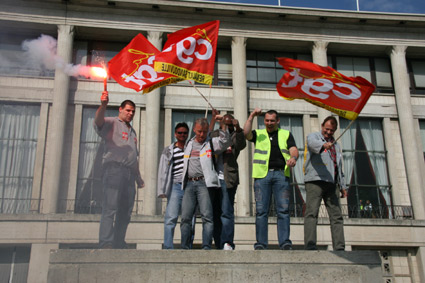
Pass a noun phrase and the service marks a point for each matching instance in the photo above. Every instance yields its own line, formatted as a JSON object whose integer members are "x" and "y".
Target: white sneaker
{"x": 227, "y": 247}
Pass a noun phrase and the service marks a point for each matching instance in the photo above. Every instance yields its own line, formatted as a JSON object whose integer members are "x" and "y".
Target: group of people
{"x": 201, "y": 174}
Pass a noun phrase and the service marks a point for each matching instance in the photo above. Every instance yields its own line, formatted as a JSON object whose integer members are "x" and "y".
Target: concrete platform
{"x": 213, "y": 266}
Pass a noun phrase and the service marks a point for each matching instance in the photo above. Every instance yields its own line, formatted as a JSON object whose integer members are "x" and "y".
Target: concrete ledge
{"x": 213, "y": 266}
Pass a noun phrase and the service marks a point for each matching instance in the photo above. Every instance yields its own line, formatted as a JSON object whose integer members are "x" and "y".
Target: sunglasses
{"x": 182, "y": 133}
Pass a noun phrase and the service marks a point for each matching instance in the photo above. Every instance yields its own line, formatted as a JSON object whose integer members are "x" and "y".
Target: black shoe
{"x": 286, "y": 248}
{"x": 259, "y": 248}
{"x": 107, "y": 246}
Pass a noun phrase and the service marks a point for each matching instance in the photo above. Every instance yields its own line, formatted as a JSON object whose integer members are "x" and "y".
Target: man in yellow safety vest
{"x": 275, "y": 152}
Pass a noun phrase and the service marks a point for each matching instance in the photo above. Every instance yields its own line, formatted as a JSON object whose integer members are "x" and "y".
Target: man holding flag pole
{"x": 345, "y": 96}
{"x": 324, "y": 179}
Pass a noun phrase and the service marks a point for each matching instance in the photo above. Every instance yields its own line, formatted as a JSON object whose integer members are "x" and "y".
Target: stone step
{"x": 213, "y": 266}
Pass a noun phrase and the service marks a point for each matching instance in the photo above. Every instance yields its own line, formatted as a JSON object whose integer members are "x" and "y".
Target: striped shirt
{"x": 178, "y": 154}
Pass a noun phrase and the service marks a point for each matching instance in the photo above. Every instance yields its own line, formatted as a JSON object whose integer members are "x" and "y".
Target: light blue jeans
{"x": 172, "y": 212}
{"x": 196, "y": 193}
{"x": 277, "y": 183}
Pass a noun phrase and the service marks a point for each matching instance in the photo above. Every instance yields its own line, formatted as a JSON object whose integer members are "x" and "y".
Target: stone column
{"x": 320, "y": 57}
{"x": 420, "y": 257}
{"x": 58, "y": 118}
{"x": 151, "y": 136}
{"x": 411, "y": 154}
{"x": 39, "y": 262}
{"x": 240, "y": 105}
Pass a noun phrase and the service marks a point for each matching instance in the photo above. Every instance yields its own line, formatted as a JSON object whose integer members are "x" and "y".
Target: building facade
{"x": 50, "y": 156}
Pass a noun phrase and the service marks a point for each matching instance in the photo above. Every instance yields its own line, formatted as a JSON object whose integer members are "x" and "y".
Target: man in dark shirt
{"x": 120, "y": 172}
{"x": 275, "y": 152}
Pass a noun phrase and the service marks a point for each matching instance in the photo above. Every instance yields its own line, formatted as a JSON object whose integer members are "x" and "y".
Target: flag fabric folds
{"x": 133, "y": 67}
{"x": 324, "y": 87}
{"x": 190, "y": 53}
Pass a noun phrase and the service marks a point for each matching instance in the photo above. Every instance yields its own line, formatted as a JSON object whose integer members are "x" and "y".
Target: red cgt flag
{"x": 324, "y": 87}
{"x": 133, "y": 67}
{"x": 190, "y": 53}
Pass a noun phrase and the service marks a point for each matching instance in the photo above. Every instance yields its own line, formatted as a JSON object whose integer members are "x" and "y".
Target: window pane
{"x": 104, "y": 51}
{"x": 422, "y": 131}
{"x": 279, "y": 73}
{"x": 383, "y": 72}
{"x": 362, "y": 68}
{"x": 18, "y": 144}
{"x": 305, "y": 57}
{"x": 81, "y": 52}
{"x": 251, "y": 74}
{"x": 224, "y": 61}
{"x": 266, "y": 75}
{"x": 251, "y": 58}
{"x": 418, "y": 68}
{"x": 354, "y": 67}
{"x": 266, "y": 59}
{"x": 345, "y": 66}
{"x": 15, "y": 61}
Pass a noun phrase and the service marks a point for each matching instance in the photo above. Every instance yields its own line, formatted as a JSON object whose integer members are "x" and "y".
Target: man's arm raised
{"x": 99, "y": 118}
{"x": 247, "y": 128}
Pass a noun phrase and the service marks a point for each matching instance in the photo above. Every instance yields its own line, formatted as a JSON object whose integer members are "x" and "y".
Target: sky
{"x": 391, "y": 6}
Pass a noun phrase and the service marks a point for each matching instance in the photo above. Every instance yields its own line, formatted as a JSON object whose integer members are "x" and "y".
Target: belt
{"x": 116, "y": 164}
{"x": 276, "y": 169}
{"x": 195, "y": 179}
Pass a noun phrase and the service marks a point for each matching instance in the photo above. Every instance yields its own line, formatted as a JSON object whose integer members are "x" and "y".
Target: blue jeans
{"x": 172, "y": 212}
{"x": 277, "y": 183}
{"x": 224, "y": 215}
{"x": 196, "y": 193}
{"x": 118, "y": 199}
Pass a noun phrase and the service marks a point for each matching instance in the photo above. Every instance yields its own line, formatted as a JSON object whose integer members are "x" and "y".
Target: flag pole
{"x": 209, "y": 97}
{"x": 349, "y": 125}
{"x": 201, "y": 95}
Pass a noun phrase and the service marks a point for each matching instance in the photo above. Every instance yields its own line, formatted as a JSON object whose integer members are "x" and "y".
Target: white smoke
{"x": 41, "y": 54}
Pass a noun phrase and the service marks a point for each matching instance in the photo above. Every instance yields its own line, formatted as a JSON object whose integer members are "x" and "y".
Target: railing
{"x": 20, "y": 206}
{"x": 90, "y": 207}
{"x": 350, "y": 211}
{"x": 23, "y": 206}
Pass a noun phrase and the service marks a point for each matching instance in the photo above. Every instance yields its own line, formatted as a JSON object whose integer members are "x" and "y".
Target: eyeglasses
{"x": 182, "y": 133}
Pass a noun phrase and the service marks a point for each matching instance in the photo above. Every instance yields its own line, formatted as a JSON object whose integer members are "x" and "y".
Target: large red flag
{"x": 324, "y": 87}
{"x": 133, "y": 67}
{"x": 190, "y": 53}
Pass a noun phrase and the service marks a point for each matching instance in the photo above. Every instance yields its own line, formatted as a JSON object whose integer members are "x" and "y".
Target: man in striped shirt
{"x": 170, "y": 181}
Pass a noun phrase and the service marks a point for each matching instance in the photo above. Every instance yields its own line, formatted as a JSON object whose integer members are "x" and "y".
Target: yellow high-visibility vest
{"x": 262, "y": 152}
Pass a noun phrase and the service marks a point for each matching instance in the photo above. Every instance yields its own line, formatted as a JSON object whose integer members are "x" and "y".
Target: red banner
{"x": 324, "y": 87}
{"x": 133, "y": 67}
{"x": 190, "y": 53}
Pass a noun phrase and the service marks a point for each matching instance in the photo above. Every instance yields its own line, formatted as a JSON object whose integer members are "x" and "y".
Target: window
{"x": 375, "y": 70}
{"x": 365, "y": 168}
{"x": 14, "y": 263}
{"x": 15, "y": 62}
{"x": 95, "y": 53}
{"x": 223, "y": 68}
{"x": 417, "y": 76}
{"x": 294, "y": 124}
{"x": 18, "y": 144}
{"x": 89, "y": 183}
{"x": 263, "y": 69}
{"x": 422, "y": 131}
